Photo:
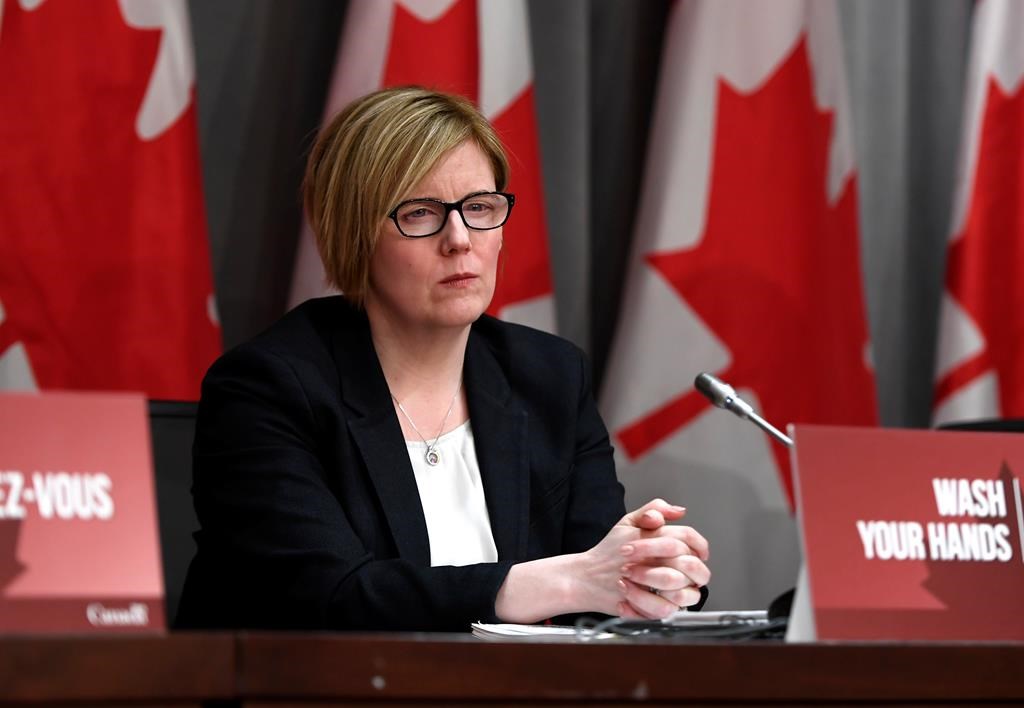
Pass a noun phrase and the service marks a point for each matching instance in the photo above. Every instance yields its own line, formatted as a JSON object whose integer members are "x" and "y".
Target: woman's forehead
{"x": 461, "y": 171}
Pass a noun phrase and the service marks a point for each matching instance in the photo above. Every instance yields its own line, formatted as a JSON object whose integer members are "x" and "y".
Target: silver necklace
{"x": 431, "y": 455}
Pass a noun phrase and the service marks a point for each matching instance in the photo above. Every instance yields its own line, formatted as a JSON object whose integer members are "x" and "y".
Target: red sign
{"x": 79, "y": 546}
{"x": 912, "y": 534}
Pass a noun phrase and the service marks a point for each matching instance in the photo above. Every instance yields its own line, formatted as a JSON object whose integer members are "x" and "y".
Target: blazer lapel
{"x": 500, "y": 428}
{"x": 378, "y": 436}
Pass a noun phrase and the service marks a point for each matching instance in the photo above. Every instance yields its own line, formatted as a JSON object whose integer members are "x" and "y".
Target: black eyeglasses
{"x": 417, "y": 218}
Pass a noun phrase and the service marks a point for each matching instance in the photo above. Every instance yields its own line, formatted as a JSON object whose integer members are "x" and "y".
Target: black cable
{"x": 655, "y": 630}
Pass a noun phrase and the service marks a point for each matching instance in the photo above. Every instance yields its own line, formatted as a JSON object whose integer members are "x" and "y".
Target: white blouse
{"x": 452, "y": 494}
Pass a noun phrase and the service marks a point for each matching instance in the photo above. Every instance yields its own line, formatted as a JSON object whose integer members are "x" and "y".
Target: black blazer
{"x": 309, "y": 511}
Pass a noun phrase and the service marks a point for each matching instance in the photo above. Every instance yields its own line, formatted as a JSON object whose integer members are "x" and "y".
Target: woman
{"x": 393, "y": 458}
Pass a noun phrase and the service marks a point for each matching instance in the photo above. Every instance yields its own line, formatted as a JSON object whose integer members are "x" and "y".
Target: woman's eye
{"x": 414, "y": 213}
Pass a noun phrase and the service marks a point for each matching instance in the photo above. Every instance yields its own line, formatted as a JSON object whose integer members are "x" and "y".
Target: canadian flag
{"x": 980, "y": 359}
{"x": 480, "y": 49}
{"x": 105, "y": 276}
{"x": 745, "y": 265}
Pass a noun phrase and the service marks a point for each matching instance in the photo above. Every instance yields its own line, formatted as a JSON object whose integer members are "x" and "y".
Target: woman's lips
{"x": 459, "y": 280}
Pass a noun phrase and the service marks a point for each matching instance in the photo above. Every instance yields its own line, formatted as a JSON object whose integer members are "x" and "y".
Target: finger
{"x": 669, "y": 573}
{"x": 650, "y": 604}
{"x": 627, "y": 611}
{"x": 640, "y": 550}
{"x": 665, "y": 573}
{"x": 624, "y": 608}
{"x": 661, "y": 578}
{"x": 672, "y": 541}
{"x": 682, "y": 598}
{"x": 670, "y": 512}
{"x": 698, "y": 545}
{"x": 651, "y": 520}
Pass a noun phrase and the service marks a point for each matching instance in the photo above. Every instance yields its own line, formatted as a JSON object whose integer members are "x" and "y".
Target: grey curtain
{"x": 262, "y": 70}
{"x": 905, "y": 64}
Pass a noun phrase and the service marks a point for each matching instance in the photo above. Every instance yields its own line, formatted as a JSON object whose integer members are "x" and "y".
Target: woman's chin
{"x": 460, "y": 312}
{"x": 462, "y": 318}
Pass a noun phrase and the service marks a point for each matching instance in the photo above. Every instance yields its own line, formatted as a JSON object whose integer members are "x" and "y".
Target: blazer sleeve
{"x": 595, "y": 495}
{"x": 276, "y": 549}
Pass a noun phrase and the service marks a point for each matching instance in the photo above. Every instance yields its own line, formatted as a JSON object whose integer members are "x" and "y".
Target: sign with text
{"x": 911, "y": 534}
{"x": 79, "y": 545}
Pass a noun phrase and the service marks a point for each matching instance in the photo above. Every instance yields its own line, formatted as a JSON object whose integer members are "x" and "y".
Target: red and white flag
{"x": 105, "y": 276}
{"x": 480, "y": 49}
{"x": 745, "y": 265}
{"x": 980, "y": 358}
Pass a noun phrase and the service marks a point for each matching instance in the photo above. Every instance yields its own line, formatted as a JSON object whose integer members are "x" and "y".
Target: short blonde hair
{"x": 368, "y": 157}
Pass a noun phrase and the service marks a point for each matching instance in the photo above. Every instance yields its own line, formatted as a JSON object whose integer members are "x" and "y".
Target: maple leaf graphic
{"x": 776, "y": 274}
{"x": 444, "y": 54}
{"x": 10, "y": 566}
{"x": 105, "y": 275}
{"x": 985, "y": 262}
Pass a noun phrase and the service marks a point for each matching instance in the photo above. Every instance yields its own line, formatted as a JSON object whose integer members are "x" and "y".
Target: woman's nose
{"x": 456, "y": 234}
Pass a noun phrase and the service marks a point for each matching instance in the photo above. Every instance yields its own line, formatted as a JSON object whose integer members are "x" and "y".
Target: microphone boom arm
{"x": 770, "y": 429}
{"x": 724, "y": 396}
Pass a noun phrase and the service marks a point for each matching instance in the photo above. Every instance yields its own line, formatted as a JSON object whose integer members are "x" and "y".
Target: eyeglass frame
{"x": 449, "y": 207}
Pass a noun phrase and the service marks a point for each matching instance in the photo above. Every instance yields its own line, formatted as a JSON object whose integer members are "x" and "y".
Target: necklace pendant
{"x": 432, "y": 457}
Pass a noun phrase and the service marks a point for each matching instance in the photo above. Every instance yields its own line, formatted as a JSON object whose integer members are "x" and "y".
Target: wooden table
{"x": 179, "y": 669}
{"x": 276, "y": 669}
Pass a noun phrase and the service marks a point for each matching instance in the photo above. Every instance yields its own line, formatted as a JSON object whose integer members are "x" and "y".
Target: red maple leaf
{"x": 985, "y": 262}
{"x": 444, "y": 55}
{"x": 105, "y": 271}
{"x": 776, "y": 275}
{"x": 527, "y": 271}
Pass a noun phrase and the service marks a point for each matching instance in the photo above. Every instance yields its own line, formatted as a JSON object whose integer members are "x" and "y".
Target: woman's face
{"x": 445, "y": 280}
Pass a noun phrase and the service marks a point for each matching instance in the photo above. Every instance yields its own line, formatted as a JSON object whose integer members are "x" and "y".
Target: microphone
{"x": 724, "y": 396}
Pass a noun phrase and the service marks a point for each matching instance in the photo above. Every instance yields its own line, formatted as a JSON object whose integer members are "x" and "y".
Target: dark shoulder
{"x": 302, "y": 337}
{"x": 525, "y": 350}
{"x": 312, "y": 324}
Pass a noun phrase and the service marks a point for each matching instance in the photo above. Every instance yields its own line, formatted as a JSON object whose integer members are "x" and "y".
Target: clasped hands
{"x": 645, "y": 568}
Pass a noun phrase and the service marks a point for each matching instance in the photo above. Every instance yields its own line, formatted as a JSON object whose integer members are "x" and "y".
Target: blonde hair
{"x": 368, "y": 157}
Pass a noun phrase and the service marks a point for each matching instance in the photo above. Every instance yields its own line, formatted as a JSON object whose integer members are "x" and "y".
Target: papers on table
{"x": 530, "y": 631}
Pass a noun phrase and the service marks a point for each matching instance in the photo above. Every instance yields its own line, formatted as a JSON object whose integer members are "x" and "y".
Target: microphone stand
{"x": 724, "y": 396}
